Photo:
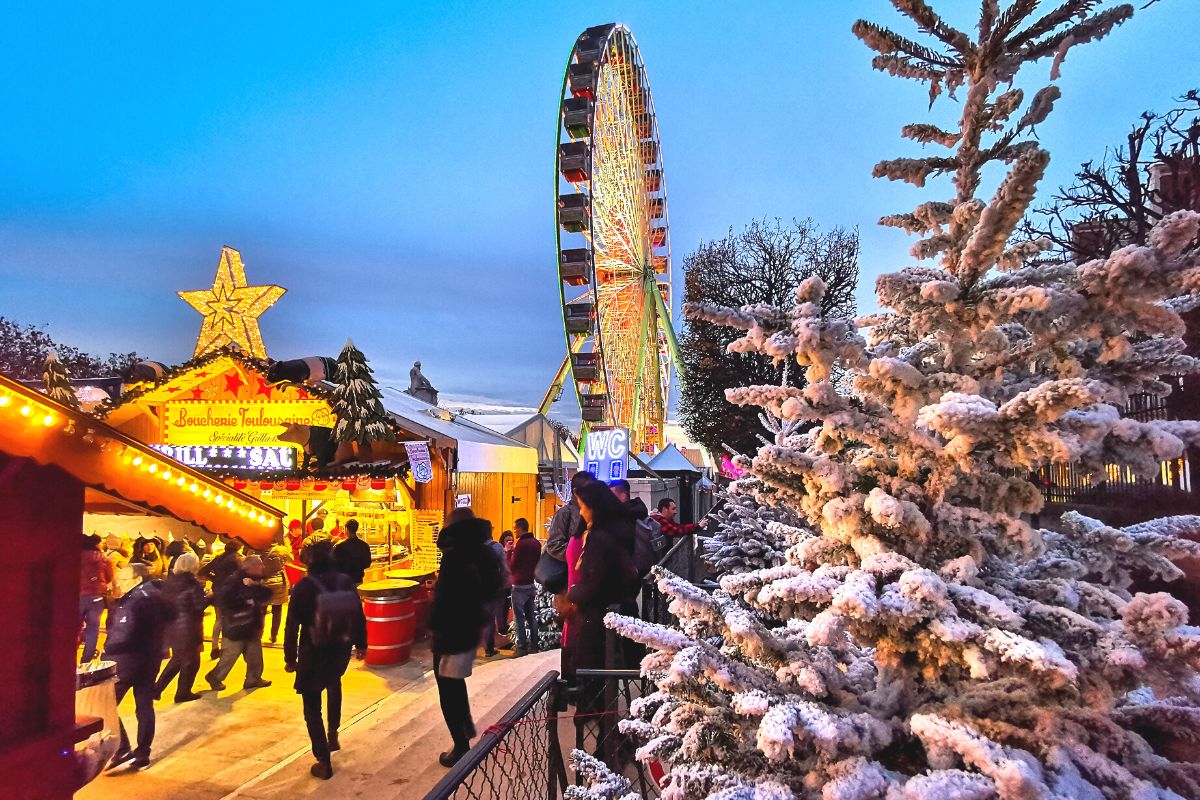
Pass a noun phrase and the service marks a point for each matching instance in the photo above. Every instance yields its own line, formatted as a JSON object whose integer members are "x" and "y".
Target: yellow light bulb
{"x": 48, "y": 420}
{"x": 166, "y": 476}
{"x": 137, "y": 461}
{"x": 182, "y": 480}
{"x": 26, "y": 411}
{"x": 218, "y": 500}
{"x": 194, "y": 488}
{"x": 208, "y": 494}
{"x": 4, "y": 400}
{"x": 153, "y": 468}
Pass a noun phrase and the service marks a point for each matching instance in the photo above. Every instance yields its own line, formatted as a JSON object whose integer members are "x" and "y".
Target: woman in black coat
{"x": 185, "y": 636}
{"x": 606, "y": 574}
{"x": 468, "y": 581}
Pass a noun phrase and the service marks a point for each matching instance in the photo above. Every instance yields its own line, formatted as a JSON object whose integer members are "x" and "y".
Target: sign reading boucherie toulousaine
{"x": 231, "y": 458}
{"x": 245, "y": 423}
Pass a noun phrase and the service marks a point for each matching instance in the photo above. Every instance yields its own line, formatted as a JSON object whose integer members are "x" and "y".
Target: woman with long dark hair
{"x": 606, "y": 574}
{"x": 468, "y": 582}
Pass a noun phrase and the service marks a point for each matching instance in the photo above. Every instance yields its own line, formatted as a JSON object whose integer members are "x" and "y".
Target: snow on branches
{"x": 894, "y": 629}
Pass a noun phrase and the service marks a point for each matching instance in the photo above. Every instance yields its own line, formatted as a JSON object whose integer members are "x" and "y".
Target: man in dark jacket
{"x": 185, "y": 636}
{"x": 353, "y": 556}
{"x": 521, "y": 564}
{"x": 136, "y": 643}
{"x": 243, "y": 602}
{"x": 218, "y": 571}
{"x": 320, "y": 668}
{"x": 467, "y": 584}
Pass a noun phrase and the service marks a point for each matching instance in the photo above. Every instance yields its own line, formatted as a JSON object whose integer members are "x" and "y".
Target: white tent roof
{"x": 671, "y": 460}
{"x": 480, "y": 449}
{"x": 521, "y": 426}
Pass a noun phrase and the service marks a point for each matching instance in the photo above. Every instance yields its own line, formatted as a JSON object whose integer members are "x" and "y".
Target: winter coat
{"x": 316, "y": 667}
{"x": 137, "y": 636}
{"x": 672, "y": 529}
{"x": 186, "y": 595}
{"x": 607, "y": 576}
{"x": 468, "y": 582}
{"x": 243, "y": 607}
{"x": 95, "y": 574}
{"x": 276, "y": 580}
{"x": 502, "y": 565}
{"x": 353, "y": 557}
{"x": 174, "y": 550}
{"x": 156, "y": 565}
{"x": 220, "y": 569}
{"x": 309, "y": 541}
{"x": 524, "y": 558}
{"x": 566, "y": 523}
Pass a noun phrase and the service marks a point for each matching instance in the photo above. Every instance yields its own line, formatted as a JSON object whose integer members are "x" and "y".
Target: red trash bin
{"x": 422, "y": 595}
{"x": 390, "y": 620}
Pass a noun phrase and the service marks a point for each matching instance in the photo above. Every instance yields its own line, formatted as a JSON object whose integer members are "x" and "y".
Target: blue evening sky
{"x": 390, "y": 164}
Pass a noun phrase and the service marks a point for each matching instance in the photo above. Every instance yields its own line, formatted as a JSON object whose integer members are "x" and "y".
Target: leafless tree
{"x": 1117, "y": 201}
{"x": 762, "y": 264}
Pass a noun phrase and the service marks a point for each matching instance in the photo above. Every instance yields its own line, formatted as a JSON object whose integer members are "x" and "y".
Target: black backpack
{"x": 336, "y": 613}
{"x": 644, "y": 554}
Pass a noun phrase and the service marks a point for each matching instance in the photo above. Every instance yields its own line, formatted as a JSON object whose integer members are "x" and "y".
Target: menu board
{"x": 425, "y": 553}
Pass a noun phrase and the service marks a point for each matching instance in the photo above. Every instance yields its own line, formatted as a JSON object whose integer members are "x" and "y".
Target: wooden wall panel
{"x": 41, "y": 521}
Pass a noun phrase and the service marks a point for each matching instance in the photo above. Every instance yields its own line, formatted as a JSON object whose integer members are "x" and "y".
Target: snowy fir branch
{"x": 889, "y": 625}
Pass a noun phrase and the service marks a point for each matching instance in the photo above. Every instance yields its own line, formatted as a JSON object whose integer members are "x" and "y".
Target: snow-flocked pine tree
{"x": 57, "y": 381}
{"x": 749, "y": 535}
{"x": 926, "y": 643}
{"x": 357, "y": 401}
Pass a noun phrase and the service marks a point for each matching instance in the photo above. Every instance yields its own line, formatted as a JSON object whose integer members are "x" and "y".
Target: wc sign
{"x": 606, "y": 453}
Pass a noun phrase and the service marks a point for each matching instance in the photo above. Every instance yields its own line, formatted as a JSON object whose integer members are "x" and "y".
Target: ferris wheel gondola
{"x": 612, "y": 237}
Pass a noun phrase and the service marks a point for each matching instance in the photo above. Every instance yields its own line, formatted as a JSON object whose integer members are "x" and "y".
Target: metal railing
{"x": 520, "y": 752}
{"x": 522, "y": 755}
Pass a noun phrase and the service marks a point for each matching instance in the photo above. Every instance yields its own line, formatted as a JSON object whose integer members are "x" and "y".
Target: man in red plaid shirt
{"x": 665, "y": 517}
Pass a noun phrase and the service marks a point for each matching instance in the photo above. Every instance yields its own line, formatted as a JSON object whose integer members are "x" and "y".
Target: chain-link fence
{"x": 519, "y": 756}
{"x": 524, "y": 754}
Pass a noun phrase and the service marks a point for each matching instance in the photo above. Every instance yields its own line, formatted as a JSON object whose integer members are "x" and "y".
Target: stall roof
{"x": 671, "y": 460}
{"x": 480, "y": 449}
{"x": 512, "y": 425}
{"x": 101, "y": 457}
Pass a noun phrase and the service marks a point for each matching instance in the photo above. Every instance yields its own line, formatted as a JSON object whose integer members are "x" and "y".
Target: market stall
{"x": 51, "y": 457}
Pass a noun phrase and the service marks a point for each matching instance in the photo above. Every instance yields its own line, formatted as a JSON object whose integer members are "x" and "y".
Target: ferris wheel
{"x": 611, "y": 233}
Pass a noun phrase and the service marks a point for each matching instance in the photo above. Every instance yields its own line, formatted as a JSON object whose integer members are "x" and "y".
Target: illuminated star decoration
{"x": 231, "y": 308}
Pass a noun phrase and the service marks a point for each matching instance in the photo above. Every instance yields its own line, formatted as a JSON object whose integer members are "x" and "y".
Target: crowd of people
{"x": 600, "y": 546}
{"x": 157, "y": 594}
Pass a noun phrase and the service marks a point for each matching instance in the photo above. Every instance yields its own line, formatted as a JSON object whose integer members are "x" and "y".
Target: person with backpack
{"x": 325, "y": 620}
{"x": 219, "y": 571}
{"x": 95, "y": 578}
{"x": 649, "y": 544}
{"x": 136, "y": 642}
{"x": 352, "y": 554}
{"x": 468, "y": 583}
{"x": 243, "y": 602}
{"x": 275, "y": 579}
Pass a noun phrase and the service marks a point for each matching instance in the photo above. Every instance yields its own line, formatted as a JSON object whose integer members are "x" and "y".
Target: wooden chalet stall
{"x": 223, "y": 414}
{"x": 54, "y": 462}
{"x": 558, "y": 460}
{"x": 495, "y": 475}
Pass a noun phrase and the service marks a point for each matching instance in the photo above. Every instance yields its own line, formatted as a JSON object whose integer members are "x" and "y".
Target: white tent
{"x": 480, "y": 449}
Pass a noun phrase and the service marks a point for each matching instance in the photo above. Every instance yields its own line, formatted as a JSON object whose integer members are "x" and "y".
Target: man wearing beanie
{"x": 243, "y": 601}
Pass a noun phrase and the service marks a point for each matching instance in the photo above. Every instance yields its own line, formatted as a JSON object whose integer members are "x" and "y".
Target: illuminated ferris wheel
{"x": 614, "y": 255}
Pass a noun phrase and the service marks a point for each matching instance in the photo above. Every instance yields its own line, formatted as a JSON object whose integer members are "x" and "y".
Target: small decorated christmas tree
{"x": 57, "y": 380}
{"x": 357, "y": 401}
{"x": 926, "y": 642}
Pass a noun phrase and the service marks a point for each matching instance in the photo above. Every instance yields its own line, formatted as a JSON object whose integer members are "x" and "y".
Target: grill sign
{"x": 231, "y": 457}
